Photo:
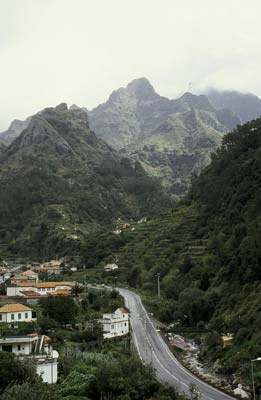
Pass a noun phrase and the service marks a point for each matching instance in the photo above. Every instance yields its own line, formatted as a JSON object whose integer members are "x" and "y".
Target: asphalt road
{"x": 153, "y": 350}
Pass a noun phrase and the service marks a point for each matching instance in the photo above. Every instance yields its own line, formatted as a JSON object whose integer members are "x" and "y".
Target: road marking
{"x": 176, "y": 362}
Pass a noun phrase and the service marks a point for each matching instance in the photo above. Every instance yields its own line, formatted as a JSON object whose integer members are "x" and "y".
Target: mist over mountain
{"x": 173, "y": 139}
{"x": 246, "y": 106}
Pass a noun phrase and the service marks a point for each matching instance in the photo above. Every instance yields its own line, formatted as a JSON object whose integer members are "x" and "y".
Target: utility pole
{"x": 252, "y": 373}
{"x": 158, "y": 277}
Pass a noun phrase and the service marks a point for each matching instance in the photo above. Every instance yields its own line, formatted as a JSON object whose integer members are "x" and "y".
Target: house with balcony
{"x": 36, "y": 348}
{"x": 15, "y": 312}
{"x": 115, "y": 324}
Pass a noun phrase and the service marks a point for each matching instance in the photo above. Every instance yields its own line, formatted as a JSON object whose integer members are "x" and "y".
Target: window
{"x": 12, "y": 316}
{"x": 112, "y": 326}
{"x": 26, "y": 315}
{"x": 125, "y": 324}
{"x": 19, "y": 315}
{"x": 0, "y": 317}
{"x": 7, "y": 347}
{"x": 18, "y": 347}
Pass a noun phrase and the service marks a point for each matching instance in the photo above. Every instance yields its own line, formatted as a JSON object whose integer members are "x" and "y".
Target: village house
{"x": 110, "y": 267}
{"x": 49, "y": 270}
{"x": 36, "y": 348}
{"x": 52, "y": 267}
{"x": 23, "y": 278}
{"x": 227, "y": 340}
{"x": 16, "y": 312}
{"x": 115, "y": 324}
{"x": 31, "y": 275}
{"x": 40, "y": 289}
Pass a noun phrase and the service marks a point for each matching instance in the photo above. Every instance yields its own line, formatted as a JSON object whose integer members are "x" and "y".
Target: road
{"x": 153, "y": 350}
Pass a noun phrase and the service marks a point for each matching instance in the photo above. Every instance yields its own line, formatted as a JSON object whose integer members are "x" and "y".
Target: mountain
{"x": 58, "y": 181}
{"x": 14, "y": 130}
{"x": 128, "y": 113}
{"x": 178, "y": 148}
{"x": 246, "y": 106}
{"x": 182, "y": 144}
{"x": 208, "y": 254}
{"x": 172, "y": 139}
{"x": 2, "y": 148}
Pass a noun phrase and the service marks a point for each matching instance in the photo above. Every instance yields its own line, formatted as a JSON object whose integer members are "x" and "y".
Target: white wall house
{"x": 110, "y": 267}
{"x": 40, "y": 288}
{"x": 115, "y": 324}
{"x": 47, "y": 367}
{"x": 37, "y": 348}
{"x": 16, "y": 313}
{"x": 19, "y": 345}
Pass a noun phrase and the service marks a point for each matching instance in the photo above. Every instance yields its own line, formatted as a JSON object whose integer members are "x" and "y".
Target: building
{"x": 110, "y": 267}
{"x": 52, "y": 270}
{"x": 16, "y": 313}
{"x": 31, "y": 275}
{"x": 40, "y": 289}
{"x": 52, "y": 267}
{"x": 21, "y": 278}
{"x": 115, "y": 324}
{"x": 227, "y": 340}
{"x": 36, "y": 348}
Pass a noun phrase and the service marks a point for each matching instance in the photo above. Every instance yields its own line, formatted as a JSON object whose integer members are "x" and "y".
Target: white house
{"x": 110, "y": 267}
{"x": 115, "y": 324}
{"x": 40, "y": 288}
{"x": 37, "y": 348}
{"x": 16, "y": 313}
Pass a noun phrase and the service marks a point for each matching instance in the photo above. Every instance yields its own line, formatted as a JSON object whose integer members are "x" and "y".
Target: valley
{"x": 138, "y": 219}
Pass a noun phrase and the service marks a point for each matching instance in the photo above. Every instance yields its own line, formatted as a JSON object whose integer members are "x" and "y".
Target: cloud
{"x": 79, "y": 51}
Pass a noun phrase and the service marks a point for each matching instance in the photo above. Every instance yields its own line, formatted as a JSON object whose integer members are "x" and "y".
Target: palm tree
{"x": 76, "y": 290}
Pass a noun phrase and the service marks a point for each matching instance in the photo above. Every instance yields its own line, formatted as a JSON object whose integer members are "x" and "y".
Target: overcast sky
{"x": 78, "y": 51}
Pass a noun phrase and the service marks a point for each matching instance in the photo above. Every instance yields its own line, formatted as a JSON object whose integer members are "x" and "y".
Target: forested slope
{"x": 207, "y": 250}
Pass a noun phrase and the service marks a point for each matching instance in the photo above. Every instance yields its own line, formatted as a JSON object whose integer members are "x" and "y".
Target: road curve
{"x": 153, "y": 350}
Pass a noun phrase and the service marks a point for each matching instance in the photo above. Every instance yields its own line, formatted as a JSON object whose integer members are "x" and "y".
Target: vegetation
{"x": 207, "y": 251}
{"x": 89, "y": 366}
{"x": 14, "y": 370}
{"x": 111, "y": 373}
{"x": 58, "y": 182}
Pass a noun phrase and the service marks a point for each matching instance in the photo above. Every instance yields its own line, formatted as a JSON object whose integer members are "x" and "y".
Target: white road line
{"x": 177, "y": 363}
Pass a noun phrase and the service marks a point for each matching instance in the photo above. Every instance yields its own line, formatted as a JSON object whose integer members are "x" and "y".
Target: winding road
{"x": 153, "y": 350}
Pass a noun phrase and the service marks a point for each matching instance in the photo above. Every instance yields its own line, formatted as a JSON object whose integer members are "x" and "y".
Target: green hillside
{"x": 58, "y": 182}
{"x": 207, "y": 251}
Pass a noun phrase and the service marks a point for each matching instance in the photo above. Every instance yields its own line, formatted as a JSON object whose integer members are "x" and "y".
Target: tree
{"x": 28, "y": 391}
{"x": 77, "y": 289}
{"x": 14, "y": 370}
{"x": 135, "y": 277}
{"x": 62, "y": 309}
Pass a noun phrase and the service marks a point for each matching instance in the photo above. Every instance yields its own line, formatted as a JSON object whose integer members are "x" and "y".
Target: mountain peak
{"x": 142, "y": 88}
{"x": 62, "y": 107}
